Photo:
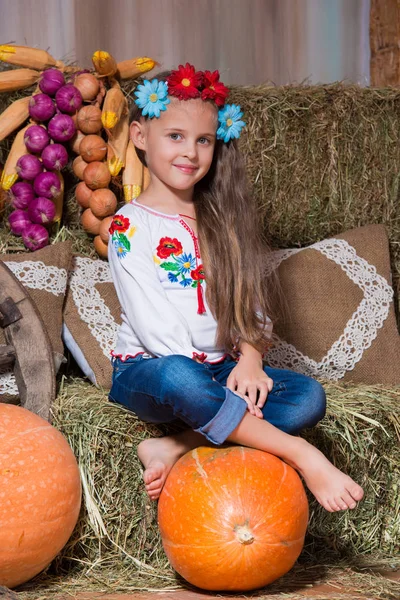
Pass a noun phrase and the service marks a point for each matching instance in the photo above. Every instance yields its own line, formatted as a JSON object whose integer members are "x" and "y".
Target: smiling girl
{"x": 188, "y": 264}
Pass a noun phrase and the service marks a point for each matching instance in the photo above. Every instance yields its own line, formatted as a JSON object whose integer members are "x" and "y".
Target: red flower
{"x": 214, "y": 89}
{"x": 119, "y": 223}
{"x": 198, "y": 274}
{"x": 168, "y": 246}
{"x": 185, "y": 82}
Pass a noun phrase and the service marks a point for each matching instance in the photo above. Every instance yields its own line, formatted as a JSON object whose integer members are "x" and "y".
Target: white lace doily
{"x": 360, "y": 330}
{"x": 91, "y": 307}
{"x": 38, "y": 276}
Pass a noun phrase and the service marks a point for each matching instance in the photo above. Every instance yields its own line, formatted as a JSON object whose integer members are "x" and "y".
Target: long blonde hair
{"x": 233, "y": 251}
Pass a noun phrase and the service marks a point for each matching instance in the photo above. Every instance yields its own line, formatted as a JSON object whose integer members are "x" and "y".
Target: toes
{"x": 334, "y": 505}
{"x": 341, "y": 503}
{"x": 357, "y": 493}
{"x": 348, "y": 500}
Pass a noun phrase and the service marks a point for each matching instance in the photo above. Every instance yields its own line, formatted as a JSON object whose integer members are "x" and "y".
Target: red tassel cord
{"x": 201, "y": 309}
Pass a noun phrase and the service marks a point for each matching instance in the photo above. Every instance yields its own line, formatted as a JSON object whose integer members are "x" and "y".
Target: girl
{"x": 188, "y": 265}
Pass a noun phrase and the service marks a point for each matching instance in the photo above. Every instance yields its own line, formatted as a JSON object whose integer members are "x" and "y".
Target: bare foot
{"x": 159, "y": 455}
{"x": 333, "y": 489}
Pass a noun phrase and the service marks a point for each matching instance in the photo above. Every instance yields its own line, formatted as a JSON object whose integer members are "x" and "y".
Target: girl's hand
{"x": 249, "y": 380}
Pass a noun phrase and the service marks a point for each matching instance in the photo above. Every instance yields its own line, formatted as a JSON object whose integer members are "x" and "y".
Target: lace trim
{"x": 91, "y": 307}
{"x": 37, "y": 276}
{"x": 362, "y": 327}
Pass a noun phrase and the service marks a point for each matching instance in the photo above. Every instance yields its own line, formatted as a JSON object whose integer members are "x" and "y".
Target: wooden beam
{"x": 384, "y": 35}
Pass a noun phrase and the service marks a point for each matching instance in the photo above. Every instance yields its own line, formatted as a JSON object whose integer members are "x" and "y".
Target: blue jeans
{"x": 161, "y": 390}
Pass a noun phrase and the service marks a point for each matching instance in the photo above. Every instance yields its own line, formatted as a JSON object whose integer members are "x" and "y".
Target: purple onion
{"x": 35, "y": 236}
{"x": 36, "y": 139}
{"x": 19, "y": 221}
{"x": 47, "y": 185}
{"x": 41, "y": 210}
{"x": 61, "y": 128}
{"x": 51, "y": 81}
{"x": 41, "y": 107}
{"x": 55, "y": 157}
{"x": 28, "y": 167}
{"x": 21, "y": 194}
{"x": 69, "y": 99}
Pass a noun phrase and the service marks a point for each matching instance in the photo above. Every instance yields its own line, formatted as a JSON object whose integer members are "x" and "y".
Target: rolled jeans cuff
{"x": 226, "y": 420}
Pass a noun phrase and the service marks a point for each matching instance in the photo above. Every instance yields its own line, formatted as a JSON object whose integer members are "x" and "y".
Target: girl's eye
{"x": 204, "y": 141}
{"x": 174, "y": 136}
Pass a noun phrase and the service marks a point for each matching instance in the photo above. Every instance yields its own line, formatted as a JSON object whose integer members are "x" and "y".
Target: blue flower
{"x": 230, "y": 121}
{"x": 152, "y": 97}
{"x": 120, "y": 248}
{"x": 186, "y": 263}
{"x": 172, "y": 277}
{"x": 186, "y": 282}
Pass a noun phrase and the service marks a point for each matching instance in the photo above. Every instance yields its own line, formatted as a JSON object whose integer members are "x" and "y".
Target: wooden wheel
{"x": 28, "y": 350}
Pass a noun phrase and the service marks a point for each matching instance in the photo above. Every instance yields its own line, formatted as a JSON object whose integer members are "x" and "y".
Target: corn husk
{"x": 24, "y": 56}
{"x": 114, "y": 106}
{"x": 59, "y": 200}
{"x": 146, "y": 178}
{"x": 14, "y": 116}
{"x": 117, "y": 144}
{"x": 17, "y": 79}
{"x": 104, "y": 63}
{"x": 9, "y": 175}
{"x": 132, "y": 176}
{"x": 129, "y": 69}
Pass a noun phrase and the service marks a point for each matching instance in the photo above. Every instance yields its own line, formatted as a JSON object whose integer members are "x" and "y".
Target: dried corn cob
{"x": 13, "y": 117}
{"x": 117, "y": 145}
{"x": 104, "y": 63}
{"x": 9, "y": 175}
{"x": 17, "y": 79}
{"x": 114, "y": 106}
{"x": 146, "y": 178}
{"x": 3, "y": 194}
{"x": 59, "y": 200}
{"x": 128, "y": 69}
{"x": 132, "y": 177}
{"x": 24, "y": 56}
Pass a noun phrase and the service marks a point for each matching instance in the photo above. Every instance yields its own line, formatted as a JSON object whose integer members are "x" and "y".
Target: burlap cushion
{"x": 44, "y": 275}
{"x": 91, "y": 318}
{"x": 339, "y": 322}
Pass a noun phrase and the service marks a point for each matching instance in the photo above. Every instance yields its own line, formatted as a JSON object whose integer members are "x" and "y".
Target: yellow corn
{"x": 128, "y": 69}
{"x": 9, "y": 175}
{"x": 3, "y": 194}
{"x": 104, "y": 63}
{"x": 17, "y": 79}
{"x": 117, "y": 145}
{"x": 113, "y": 107}
{"x": 59, "y": 200}
{"x": 146, "y": 178}
{"x": 132, "y": 176}
{"x": 13, "y": 117}
{"x": 24, "y": 56}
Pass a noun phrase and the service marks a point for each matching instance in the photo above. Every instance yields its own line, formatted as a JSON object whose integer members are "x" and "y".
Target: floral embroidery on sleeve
{"x": 181, "y": 266}
{"x": 121, "y": 232}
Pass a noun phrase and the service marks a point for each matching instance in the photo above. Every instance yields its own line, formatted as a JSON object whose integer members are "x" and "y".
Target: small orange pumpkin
{"x": 40, "y": 494}
{"x": 232, "y": 519}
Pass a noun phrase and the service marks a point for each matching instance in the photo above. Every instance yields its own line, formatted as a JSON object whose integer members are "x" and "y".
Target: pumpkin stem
{"x": 243, "y": 534}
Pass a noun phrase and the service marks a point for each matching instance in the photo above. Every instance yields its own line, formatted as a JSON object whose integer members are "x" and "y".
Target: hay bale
{"x": 321, "y": 160}
{"x": 360, "y": 434}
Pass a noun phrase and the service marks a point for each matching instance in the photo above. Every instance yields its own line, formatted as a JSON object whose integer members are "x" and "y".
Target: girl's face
{"x": 179, "y": 145}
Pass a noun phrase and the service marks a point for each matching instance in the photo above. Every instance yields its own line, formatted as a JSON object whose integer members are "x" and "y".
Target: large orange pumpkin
{"x": 40, "y": 494}
{"x": 233, "y": 518}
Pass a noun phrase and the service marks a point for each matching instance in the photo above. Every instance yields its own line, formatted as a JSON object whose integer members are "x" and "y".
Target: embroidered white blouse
{"x": 156, "y": 267}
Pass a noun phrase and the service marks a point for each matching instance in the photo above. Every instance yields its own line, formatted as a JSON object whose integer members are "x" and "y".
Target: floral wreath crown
{"x": 186, "y": 83}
